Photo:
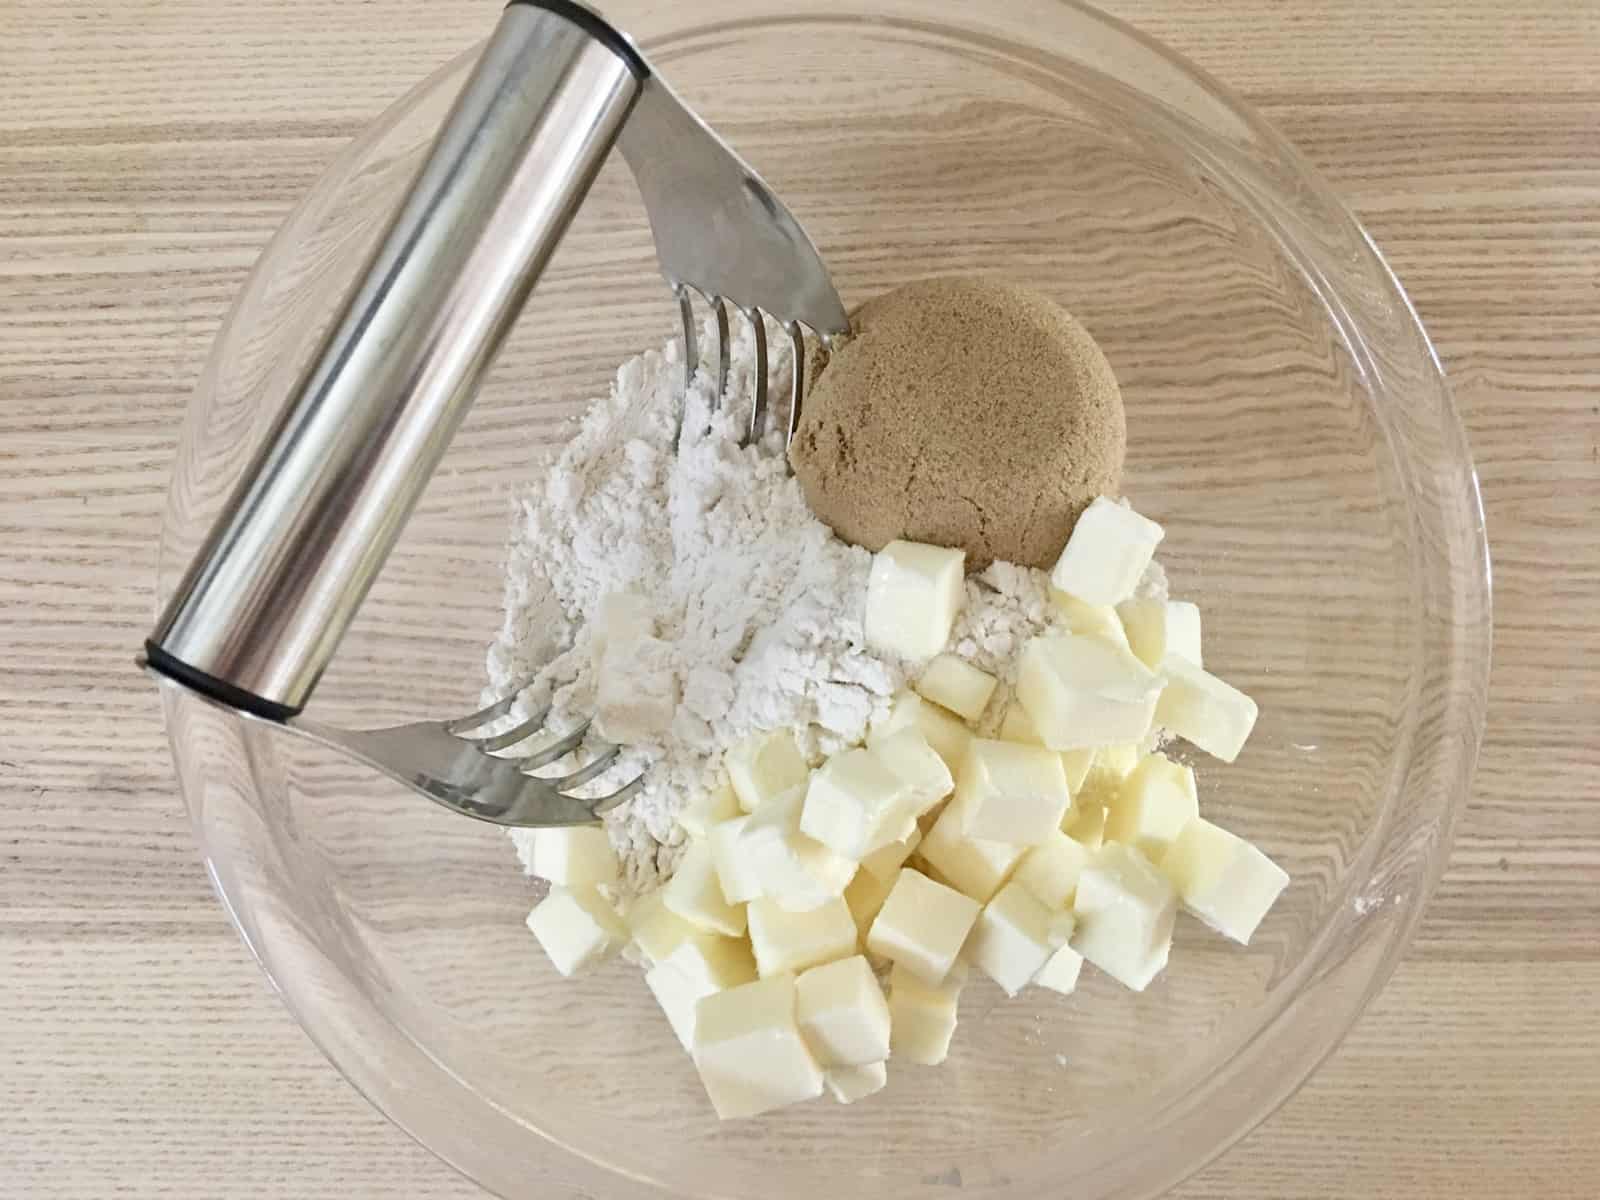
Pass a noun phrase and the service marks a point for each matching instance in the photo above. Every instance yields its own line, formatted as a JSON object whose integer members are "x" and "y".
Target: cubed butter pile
{"x": 824, "y": 916}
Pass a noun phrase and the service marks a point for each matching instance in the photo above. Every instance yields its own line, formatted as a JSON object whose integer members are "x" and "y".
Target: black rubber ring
{"x": 218, "y": 689}
{"x": 597, "y": 27}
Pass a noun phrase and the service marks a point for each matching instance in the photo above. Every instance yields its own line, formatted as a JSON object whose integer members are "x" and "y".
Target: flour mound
{"x": 752, "y": 608}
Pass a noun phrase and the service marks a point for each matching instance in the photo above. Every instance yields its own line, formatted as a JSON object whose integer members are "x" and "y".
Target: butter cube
{"x": 1060, "y": 973}
{"x": 1109, "y": 549}
{"x": 796, "y": 941}
{"x": 929, "y": 819}
{"x": 1018, "y": 727}
{"x": 954, "y": 683}
{"x": 574, "y": 856}
{"x": 913, "y": 595}
{"x": 1125, "y": 910}
{"x": 1062, "y": 927}
{"x": 855, "y": 804}
{"x": 1008, "y": 792}
{"x": 1083, "y": 692}
{"x": 922, "y": 926}
{"x": 797, "y": 871}
{"x": 1153, "y": 805}
{"x": 709, "y": 808}
{"x": 947, "y": 735}
{"x": 576, "y": 928}
{"x": 677, "y": 996}
{"x": 1050, "y": 870}
{"x": 655, "y": 928}
{"x": 974, "y": 866}
{"x": 702, "y": 965}
{"x": 1157, "y": 628}
{"x": 736, "y": 871}
{"x": 1183, "y": 632}
{"x": 1089, "y": 620}
{"x": 711, "y": 962}
{"x": 749, "y": 1050}
{"x": 1011, "y": 941}
{"x": 1086, "y": 825}
{"x": 864, "y": 898}
{"x": 1137, "y": 975}
{"x": 695, "y": 893}
{"x": 1215, "y": 716}
{"x": 886, "y": 863}
{"x": 910, "y": 756}
{"x": 764, "y": 766}
{"x": 1112, "y": 765}
{"x": 849, "y": 1084}
{"x": 1077, "y": 764}
{"x": 1223, "y": 879}
{"x": 843, "y": 1014}
{"x": 922, "y": 1018}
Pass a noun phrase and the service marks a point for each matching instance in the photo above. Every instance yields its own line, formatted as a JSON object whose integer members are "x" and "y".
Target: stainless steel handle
{"x": 262, "y": 608}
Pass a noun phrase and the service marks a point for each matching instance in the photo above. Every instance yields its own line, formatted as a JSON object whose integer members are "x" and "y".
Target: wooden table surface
{"x": 147, "y": 150}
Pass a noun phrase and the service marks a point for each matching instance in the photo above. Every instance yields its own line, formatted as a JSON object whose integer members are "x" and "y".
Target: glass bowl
{"x": 1287, "y": 422}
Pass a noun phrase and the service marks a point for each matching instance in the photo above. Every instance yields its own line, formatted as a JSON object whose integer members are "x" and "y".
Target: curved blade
{"x": 718, "y": 227}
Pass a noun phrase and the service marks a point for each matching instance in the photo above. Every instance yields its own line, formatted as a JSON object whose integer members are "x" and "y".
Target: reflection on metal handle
{"x": 263, "y": 606}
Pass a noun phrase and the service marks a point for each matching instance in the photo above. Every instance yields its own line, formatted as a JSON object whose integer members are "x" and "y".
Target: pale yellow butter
{"x": 843, "y": 1014}
{"x": 695, "y": 970}
{"x": 655, "y": 928}
{"x": 695, "y": 893}
{"x": 886, "y": 863}
{"x": 1195, "y": 704}
{"x": 1109, "y": 549}
{"x": 1089, "y": 620}
{"x": 765, "y": 766}
{"x": 737, "y": 871}
{"x": 1157, "y": 628}
{"x": 1012, "y": 941}
{"x": 1050, "y": 870}
{"x": 849, "y": 1084}
{"x": 1008, "y": 792}
{"x": 574, "y": 856}
{"x": 1152, "y": 806}
{"x": 1086, "y": 825}
{"x": 797, "y": 871}
{"x": 856, "y": 804}
{"x": 1223, "y": 879}
{"x": 1085, "y": 692}
{"x": 864, "y": 898}
{"x": 922, "y": 926}
{"x": 576, "y": 928}
{"x": 953, "y": 683}
{"x": 908, "y": 753}
{"x": 749, "y": 1051}
{"x": 795, "y": 941}
{"x": 913, "y": 595}
{"x": 1125, "y": 910}
{"x": 944, "y": 732}
{"x": 973, "y": 866}
{"x": 707, "y": 809}
{"x": 922, "y": 1018}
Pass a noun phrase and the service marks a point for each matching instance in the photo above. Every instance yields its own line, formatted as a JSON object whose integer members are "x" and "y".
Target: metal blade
{"x": 717, "y": 225}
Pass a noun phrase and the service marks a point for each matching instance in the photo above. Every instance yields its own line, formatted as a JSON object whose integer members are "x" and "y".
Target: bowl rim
{"x": 271, "y": 945}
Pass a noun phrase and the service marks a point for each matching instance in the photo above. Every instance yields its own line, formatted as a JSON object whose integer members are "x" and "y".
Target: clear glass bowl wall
{"x": 1286, "y": 421}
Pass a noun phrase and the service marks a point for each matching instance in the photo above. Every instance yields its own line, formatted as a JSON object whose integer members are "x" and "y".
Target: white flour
{"x": 752, "y": 608}
{"x": 742, "y": 612}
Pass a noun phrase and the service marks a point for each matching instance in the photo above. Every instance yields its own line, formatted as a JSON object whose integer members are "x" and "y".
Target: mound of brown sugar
{"x": 963, "y": 412}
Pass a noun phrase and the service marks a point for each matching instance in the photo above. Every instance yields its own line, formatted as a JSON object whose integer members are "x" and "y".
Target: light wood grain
{"x": 148, "y": 149}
